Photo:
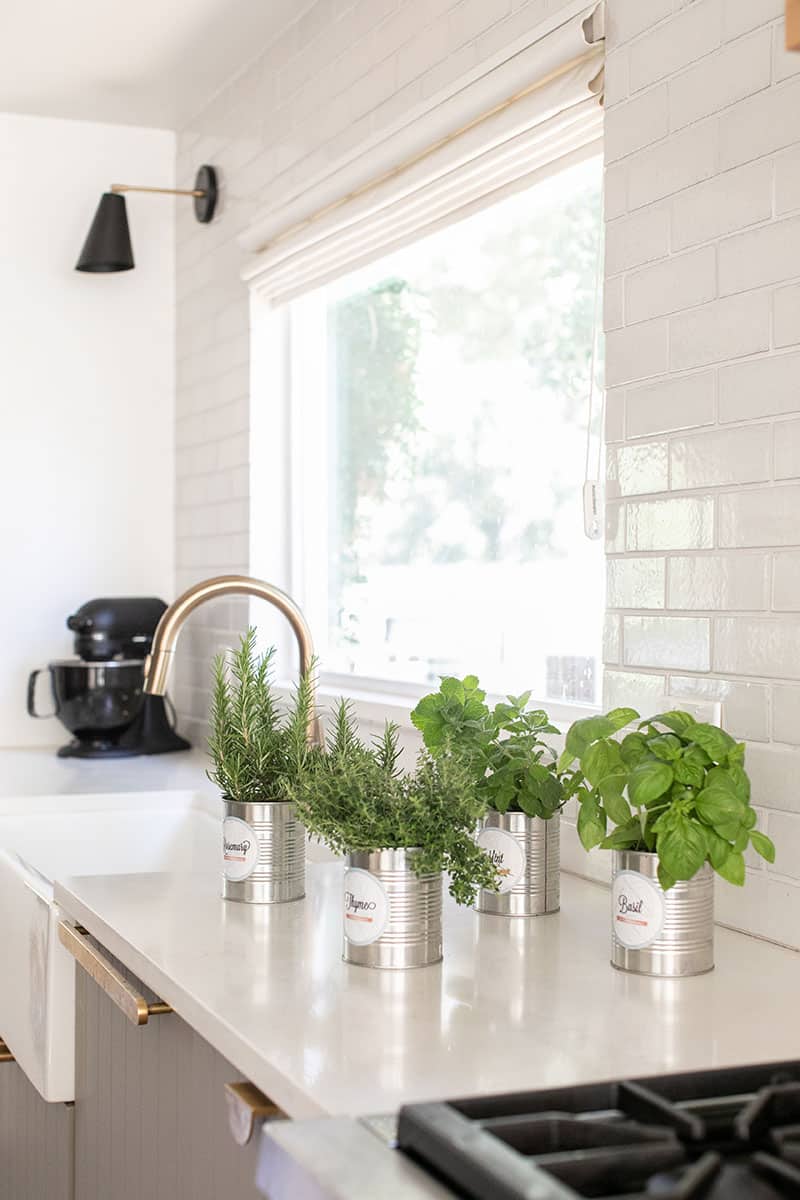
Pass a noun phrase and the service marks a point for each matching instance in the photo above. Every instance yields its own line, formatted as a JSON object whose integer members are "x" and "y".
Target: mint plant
{"x": 511, "y": 766}
{"x": 674, "y": 786}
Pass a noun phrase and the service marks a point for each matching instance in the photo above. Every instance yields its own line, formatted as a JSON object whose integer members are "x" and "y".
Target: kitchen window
{"x": 438, "y": 406}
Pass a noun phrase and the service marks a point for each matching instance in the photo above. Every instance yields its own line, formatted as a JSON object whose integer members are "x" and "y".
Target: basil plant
{"x": 674, "y": 786}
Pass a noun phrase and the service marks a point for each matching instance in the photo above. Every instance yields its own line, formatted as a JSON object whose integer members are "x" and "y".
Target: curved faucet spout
{"x": 165, "y": 639}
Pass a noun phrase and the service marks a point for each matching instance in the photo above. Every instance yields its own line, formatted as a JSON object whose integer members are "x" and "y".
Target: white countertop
{"x": 517, "y": 1004}
{"x": 40, "y": 772}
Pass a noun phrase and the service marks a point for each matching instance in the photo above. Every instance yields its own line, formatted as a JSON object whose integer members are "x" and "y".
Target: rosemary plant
{"x": 356, "y": 798}
{"x": 257, "y": 750}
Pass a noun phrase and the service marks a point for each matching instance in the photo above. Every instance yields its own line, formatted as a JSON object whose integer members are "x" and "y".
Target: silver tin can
{"x": 527, "y": 852}
{"x": 666, "y": 934}
{"x": 392, "y": 917}
{"x": 263, "y": 851}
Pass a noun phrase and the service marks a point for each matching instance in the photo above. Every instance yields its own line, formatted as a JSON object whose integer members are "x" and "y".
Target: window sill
{"x": 374, "y": 702}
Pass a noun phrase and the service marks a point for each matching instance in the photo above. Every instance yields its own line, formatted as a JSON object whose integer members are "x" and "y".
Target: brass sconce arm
{"x": 118, "y": 188}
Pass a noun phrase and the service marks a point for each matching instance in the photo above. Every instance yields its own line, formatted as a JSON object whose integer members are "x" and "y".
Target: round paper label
{"x": 637, "y": 910}
{"x": 507, "y": 855}
{"x": 239, "y": 849}
{"x": 366, "y": 907}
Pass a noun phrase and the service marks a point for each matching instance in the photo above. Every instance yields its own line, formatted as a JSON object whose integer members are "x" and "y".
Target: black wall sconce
{"x": 108, "y": 242}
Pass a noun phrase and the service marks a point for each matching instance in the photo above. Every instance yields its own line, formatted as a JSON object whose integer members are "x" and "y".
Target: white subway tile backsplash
{"x": 614, "y": 303}
{"x": 634, "y": 689}
{"x": 722, "y": 78}
{"x": 615, "y": 528}
{"x": 786, "y": 713}
{"x": 722, "y": 205}
{"x": 765, "y": 646}
{"x": 677, "y": 162}
{"x": 677, "y": 283}
{"x": 744, "y": 706}
{"x": 759, "y": 125}
{"x": 721, "y": 456}
{"x": 681, "y": 402}
{"x": 785, "y": 832}
{"x": 689, "y": 36}
{"x": 787, "y": 449}
{"x": 635, "y": 582}
{"x": 638, "y": 469}
{"x": 784, "y": 62}
{"x": 627, "y": 18}
{"x": 787, "y": 178}
{"x": 730, "y": 328}
{"x": 615, "y": 415}
{"x": 718, "y": 582}
{"x": 761, "y": 388}
{"x": 637, "y": 238}
{"x": 770, "y": 254}
{"x": 786, "y": 581}
{"x": 612, "y": 638}
{"x": 740, "y": 16}
{"x": 775, "y": 775}
{"x": 678, "y": 523}
{"x": 683, "y": 642}
{"x": 786, "y": 317}
{"x": 638, "y": 122}
{"x": 637, "y": 352}
{"x": 768, "y": 516}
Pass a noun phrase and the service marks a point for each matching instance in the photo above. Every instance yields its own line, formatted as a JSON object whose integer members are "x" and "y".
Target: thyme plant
{"x": 356, "y": 798}
{"x": 257, "y": 750}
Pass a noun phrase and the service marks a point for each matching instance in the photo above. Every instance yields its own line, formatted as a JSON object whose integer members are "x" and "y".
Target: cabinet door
{"x": 150, "y": 1110}
{"x": 36, "y": 1141}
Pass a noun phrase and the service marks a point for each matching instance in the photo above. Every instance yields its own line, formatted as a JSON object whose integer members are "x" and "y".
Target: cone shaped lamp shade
{"x": 108, "y": 243}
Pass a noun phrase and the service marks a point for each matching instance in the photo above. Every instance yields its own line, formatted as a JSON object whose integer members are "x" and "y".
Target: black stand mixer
{"x": 99, "y": 695}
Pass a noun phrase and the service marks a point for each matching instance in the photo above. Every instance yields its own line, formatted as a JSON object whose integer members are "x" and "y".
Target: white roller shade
{"x": 535, "y": 112}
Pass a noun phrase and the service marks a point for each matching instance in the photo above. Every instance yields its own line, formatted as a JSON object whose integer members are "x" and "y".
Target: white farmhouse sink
{"x": 44, "y": 839}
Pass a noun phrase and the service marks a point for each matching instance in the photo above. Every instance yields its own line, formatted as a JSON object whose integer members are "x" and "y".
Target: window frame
{"x": 289, "y": 378}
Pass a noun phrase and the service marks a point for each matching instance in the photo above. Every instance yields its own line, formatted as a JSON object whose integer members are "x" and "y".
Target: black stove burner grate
{"x": 723, "y": 1135}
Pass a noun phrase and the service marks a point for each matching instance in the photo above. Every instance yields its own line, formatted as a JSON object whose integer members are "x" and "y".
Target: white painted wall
{"x": 86, "y": 393}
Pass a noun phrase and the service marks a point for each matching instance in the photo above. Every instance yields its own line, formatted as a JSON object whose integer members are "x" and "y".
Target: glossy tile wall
{"x": 703, "y": 367}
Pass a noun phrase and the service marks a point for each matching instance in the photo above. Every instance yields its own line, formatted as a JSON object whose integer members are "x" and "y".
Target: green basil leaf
{"x": 633, "y": 749}
{"x": 762, "y": 845}
{"x": 683, "y": 848}
{"x": 664, "y": 878}
{"x": 715, "y": 741}
{"x": 617, "y": 807}
{"x": 620, "y": 717}
{"x": 733, "y": 869}
{"x": 718, "y": 848}
{"x": 717, "y": 806}
{"x": 624, "y": 837}
{"x": 688, "y": 773}
{"x": 649, "y": 780}
{"x": 591, "y": 822}
{"x": 665, "y": 746}
{"x": 676, "y": 720}
{"x": 585, "y": 731}
{"x": 602, "y": 759}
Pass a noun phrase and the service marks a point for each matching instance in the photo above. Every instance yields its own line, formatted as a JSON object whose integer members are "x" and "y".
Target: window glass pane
{"x": 457, "y": 399}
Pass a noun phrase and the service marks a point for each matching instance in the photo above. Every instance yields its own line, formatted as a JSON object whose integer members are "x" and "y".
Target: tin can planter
{"x": 392, "y": 917}
{"x": 666, "y": 934}
{"x": 527, "y": 853}
{"x": 263, "y": 852}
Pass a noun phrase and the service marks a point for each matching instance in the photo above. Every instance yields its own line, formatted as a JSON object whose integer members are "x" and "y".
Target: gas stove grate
{"x": 721, "y": 1135}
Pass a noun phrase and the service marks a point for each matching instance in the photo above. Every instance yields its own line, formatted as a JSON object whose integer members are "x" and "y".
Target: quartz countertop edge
{"x": 516, "y": 1004}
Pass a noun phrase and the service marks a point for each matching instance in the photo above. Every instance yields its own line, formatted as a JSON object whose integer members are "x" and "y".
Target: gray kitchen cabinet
{"x": 36, "y": 1141}
{"x": 151, "y": 1119}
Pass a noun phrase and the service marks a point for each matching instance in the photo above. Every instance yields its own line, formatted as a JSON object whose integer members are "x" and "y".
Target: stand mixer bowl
{"x": 96, "y": 701}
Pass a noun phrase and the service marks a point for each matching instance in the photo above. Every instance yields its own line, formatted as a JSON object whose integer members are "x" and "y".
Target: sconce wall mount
{"x": 108, "y": 243}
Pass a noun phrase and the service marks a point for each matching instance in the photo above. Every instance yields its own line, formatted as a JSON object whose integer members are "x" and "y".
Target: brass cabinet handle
{"x": 248, "y": 1107}
{"x": 107, "y": 977}
{"x": 5, "y": 1053}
